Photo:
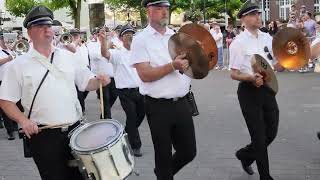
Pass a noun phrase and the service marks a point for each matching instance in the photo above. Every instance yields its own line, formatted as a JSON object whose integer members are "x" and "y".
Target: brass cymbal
{"x": 182, "y": 43}
{"x": 261, "y": 66}
{"x": 203, "y": 36}
{"x": 291, "y": 48}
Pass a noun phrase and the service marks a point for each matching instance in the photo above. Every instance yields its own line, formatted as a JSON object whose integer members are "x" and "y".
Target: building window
{"x": 316, "y": 6}
{"x": 266, "y": 9}
{"x": 285, "y": 8}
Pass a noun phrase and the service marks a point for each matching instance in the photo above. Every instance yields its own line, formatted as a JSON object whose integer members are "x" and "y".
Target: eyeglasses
{"x": 266, "y": 50}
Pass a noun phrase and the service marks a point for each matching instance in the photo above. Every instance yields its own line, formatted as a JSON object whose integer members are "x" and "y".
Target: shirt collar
{"x": 35, "y": 54}
{"x": 152, "y": 31}
{"x": 248, "y": 33}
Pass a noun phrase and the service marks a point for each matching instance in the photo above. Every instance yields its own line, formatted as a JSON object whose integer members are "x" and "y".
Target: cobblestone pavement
{"x": 220, "y": 130}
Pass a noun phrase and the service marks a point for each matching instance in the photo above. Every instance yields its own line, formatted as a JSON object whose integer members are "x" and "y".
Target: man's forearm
{"x": 104, "y": 50}
{"x": 93, "y": 84}
{"x": 5, "y": 60}
{"x": 239, "y": 76}
{"x": 12, "y": 111}
{"x": 148, "y": 73}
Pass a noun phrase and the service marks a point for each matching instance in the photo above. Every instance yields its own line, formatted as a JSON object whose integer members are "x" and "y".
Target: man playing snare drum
{"x": 56, "y": 102}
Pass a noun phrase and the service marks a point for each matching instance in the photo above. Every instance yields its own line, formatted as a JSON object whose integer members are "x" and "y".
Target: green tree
{"x": 21, "y": 7}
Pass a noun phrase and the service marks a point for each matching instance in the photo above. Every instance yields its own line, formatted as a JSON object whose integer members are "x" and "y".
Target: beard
{"x": 164, "y": 22}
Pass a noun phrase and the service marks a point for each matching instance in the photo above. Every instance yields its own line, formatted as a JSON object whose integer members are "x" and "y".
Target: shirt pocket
{"x": 28, "y": 90}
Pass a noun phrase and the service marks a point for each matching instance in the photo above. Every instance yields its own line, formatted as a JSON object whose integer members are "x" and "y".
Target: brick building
{"x": 279, "y": 9}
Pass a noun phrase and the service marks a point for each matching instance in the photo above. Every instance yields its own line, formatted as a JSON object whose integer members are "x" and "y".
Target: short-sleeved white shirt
{"x": 82, "y": 55}
{"x": 56, "y": 102}
{"x": 3, "y": 66}
{"x": 244, "y": 46}
{"x": 98, "y": 63}
{"x": 125, "y": 76}
{"x": 151, "y": 46}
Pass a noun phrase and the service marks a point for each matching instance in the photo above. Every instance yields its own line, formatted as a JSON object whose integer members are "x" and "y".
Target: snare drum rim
{"x": 80, "y": 150}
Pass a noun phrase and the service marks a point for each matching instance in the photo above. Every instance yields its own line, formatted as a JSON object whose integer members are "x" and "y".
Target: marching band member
{"x": 127, "y": 84}
{"x": 257, "y": 101}
{"x": 165, "y": 90}
{"x": 55, "y": 103}
{"x": 5, "y": 58}
{"x": 81, "y": 52}
{"x": 100, "y": 64}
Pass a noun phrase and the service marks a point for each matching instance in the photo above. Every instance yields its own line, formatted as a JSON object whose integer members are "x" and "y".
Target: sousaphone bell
{"x": 291, "y": 48}
{"x": 200, "y": 49}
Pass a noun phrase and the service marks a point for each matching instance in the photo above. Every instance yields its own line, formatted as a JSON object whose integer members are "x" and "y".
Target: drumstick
{"x": 101, "y": 101}
{"x": 49, "y": 127}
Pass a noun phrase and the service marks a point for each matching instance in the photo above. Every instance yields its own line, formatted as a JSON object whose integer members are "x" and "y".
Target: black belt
{"x": 164, "y": 99}
{"x": 126, "y": 89}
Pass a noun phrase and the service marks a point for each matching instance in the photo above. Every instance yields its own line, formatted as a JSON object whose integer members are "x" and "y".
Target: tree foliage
{"x": 212, "y": 8}
{"x": 20, "y": 8}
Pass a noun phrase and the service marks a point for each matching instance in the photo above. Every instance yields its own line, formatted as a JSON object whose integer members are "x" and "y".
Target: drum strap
{"x": 41, "y": 82}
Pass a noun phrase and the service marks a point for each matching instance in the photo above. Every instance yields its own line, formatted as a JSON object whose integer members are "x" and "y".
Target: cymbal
{"x": 182, "y": 43}
{"x": 203, "y": 36}
{"x": 261, "y": 66}
{"x": 291, "y": 48}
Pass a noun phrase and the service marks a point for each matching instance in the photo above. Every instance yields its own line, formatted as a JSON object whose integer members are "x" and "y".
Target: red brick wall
{"x": 274, "y": 8}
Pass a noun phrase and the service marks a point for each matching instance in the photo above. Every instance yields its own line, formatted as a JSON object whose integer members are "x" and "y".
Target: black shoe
{"x": 11, "y": 136}
{"x": 1, "y": 125}
{"x": 247, "y": 168}
{"x": 137, "y": 152}
{"x": 318, "y": 134}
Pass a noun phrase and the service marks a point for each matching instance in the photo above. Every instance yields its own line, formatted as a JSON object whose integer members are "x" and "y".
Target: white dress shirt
{"x": 98, "y": 63}
{"x": 56, "y": 102}
{"x": 3, "y": 66}
{"x": 244, "y": 46}
{"x": 151, "y": 46}
{"x": 125, "y": 76}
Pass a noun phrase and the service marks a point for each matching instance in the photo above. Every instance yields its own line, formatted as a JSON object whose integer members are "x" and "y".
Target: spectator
{"x": 273, "y": 28}
{"x": 218, "y": 37}
{"x": 293, "y": 10}
{"x": 292, "y": 21}
{"x": 310, "y": 26}
{"x": 302, "y": 11}
{"x": 229, "y": 35}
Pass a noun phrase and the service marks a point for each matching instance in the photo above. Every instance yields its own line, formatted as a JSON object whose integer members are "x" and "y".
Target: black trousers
{"x": 110, "y": 94}
{"x": 82, "y": 95}
{"x": 261, "y": 113}
{"x": 51, "y": 153}
{"x": 132, "y": 103}
{"x": 171, "y": 124}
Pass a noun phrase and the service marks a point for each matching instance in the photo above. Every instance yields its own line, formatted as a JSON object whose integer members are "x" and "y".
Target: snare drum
{"x": 103, "y": 149}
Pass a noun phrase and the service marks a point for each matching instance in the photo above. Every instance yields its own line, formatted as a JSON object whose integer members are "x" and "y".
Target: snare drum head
{"x": 95, "y": 135}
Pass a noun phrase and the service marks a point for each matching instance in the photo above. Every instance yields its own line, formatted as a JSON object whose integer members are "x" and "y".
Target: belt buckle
{"x": 64, "y": 129}
{"x": 175, "y": 99}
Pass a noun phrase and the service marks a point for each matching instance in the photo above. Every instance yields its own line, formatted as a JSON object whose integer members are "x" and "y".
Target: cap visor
{"x": 160, "y": 4}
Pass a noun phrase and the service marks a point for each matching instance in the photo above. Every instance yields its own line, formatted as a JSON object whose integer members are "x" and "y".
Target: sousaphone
{"x": 291, "y": 48}
{"x": 200, "y": 49}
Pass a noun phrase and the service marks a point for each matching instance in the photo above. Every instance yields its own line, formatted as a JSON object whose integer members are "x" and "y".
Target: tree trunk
{"x": 77, "y": 15}
{"x": 96, "y": 15}
{"x": 143, "y": 16}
